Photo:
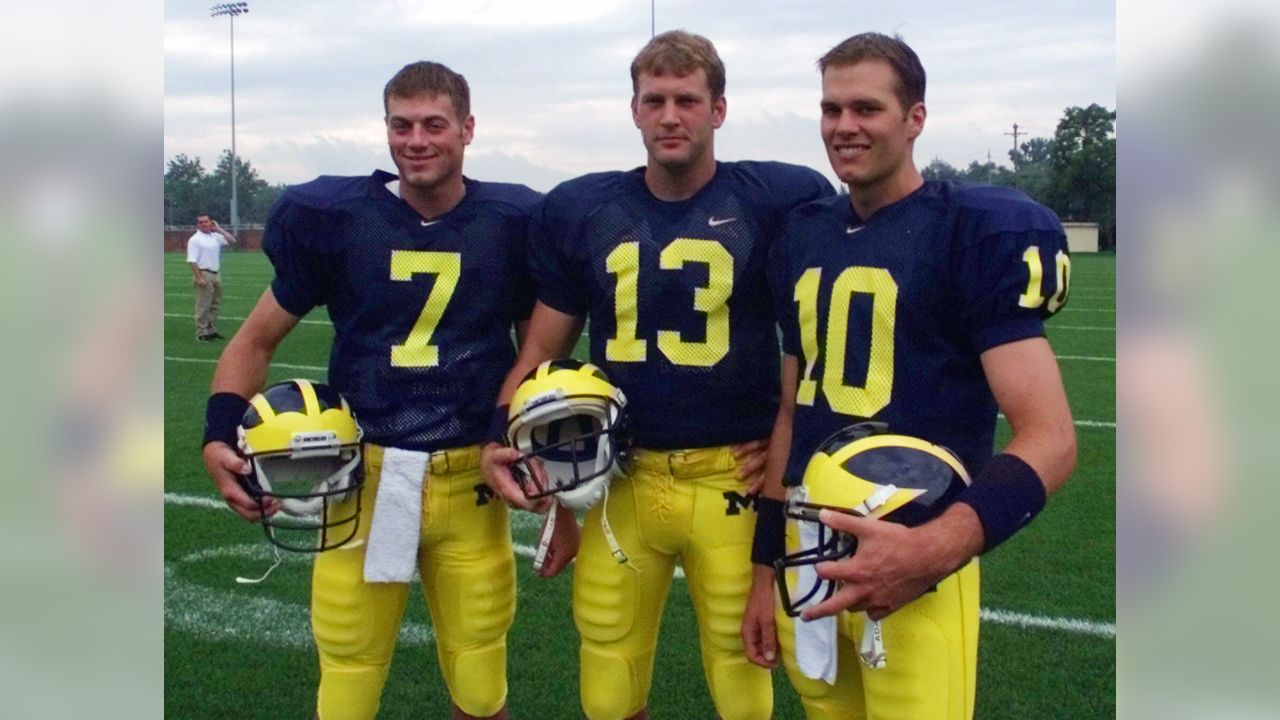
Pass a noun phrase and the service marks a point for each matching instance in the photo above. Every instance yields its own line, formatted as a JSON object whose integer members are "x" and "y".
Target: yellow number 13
{"x": 624, "y": 261}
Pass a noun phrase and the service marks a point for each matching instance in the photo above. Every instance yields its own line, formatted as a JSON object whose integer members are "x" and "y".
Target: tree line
{"x": 1073, "y": 173}
{"x": 190, "y": 189}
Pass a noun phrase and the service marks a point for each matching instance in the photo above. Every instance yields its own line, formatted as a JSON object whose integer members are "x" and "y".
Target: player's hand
{"x": 199, "y": 281}
{"x": 894, "y": 565}
{"x": 495, "y": 463}
{"x": 751, "y": 458}
{"x": 563, "y": 547}
{"x": 223, "y": 464}
{"x": 759, "y": 629}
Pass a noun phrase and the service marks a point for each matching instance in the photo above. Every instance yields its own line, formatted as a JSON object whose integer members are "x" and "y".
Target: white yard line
{"x": 217, "y": 613}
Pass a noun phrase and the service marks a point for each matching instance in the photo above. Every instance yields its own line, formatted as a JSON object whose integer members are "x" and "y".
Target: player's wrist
{"x": 222, "y": 415}
{"x": 769, "y": 542}
{"x": 497, "y": 431}
{"x": 1006, "y": 496}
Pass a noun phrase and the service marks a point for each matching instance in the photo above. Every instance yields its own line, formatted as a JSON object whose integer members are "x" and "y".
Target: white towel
{"x": 815, "y": 639}
{"x": 397, "y": 517}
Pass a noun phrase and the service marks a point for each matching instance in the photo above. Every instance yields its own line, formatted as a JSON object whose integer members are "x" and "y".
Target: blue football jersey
{"x": 422, "y": 310}
{"x": 887, "y": 318}
{"x": 676, "y": 293}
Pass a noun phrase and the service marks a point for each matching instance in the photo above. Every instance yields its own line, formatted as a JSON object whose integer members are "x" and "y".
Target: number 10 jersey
{"x": 888, "y": 317}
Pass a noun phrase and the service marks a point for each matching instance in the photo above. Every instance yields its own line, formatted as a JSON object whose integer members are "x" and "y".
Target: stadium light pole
{"x": 231, "y": 10}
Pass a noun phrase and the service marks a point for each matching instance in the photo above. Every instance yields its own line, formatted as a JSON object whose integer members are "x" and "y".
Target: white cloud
{"x": 550, "y": 82}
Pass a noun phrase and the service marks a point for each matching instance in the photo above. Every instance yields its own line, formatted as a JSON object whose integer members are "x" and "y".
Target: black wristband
{"x": 222, "y": 416}
{"x": 770, "y": 541}
{"x": 498, "y": 425}
{"x": 1006, "y": 495}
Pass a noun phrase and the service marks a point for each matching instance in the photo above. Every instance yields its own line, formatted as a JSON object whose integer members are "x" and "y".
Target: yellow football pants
{"x": 468, "y": 576}
{"x": 676, "y": 505}
{"x": 931, "y": 660}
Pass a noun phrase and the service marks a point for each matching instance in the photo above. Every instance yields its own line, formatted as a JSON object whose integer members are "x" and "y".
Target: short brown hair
{"x": 680, "y": 53}
{"x": 430, "y": 78}
{"x": 893, "y": 50}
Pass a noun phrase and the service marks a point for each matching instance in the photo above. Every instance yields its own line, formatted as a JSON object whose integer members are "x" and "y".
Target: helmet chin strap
{"x": 609, "y": 537}
{"x": 871, "y": 649}
{"x": 255, "y": 581}
{"x": 548, "y": 528}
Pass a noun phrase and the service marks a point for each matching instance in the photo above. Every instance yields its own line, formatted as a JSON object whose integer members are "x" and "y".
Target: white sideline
{"x": 204, "y": 610}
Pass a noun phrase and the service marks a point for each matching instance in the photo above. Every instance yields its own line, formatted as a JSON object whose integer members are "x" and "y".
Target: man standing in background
{"x": 204, "y": 255}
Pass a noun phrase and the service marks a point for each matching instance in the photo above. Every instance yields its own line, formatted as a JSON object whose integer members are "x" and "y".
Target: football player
{"x": 668, "y": 262}
{"x": 423, "y": 275}
{"x": 921, "y": 305}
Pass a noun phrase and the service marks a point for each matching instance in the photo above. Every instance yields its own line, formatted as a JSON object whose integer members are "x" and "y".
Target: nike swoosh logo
{"x": 429, "y": 223}
{"x": 717, "y": 222}
{"x": 852, "y": 230}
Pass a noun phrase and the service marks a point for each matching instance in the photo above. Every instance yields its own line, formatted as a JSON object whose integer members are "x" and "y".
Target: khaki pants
{"x": 208, "y": 298}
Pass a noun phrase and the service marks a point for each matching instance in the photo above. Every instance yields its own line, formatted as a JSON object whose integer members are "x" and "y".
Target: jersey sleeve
{"x": 296, "y": 241}
{"x": 1013, "y": 272}
{"x": 780, "y": 291}
{"x": 191, "y": 249}
{"x": 558, "y": 278}
{"x": 524, "y": 291}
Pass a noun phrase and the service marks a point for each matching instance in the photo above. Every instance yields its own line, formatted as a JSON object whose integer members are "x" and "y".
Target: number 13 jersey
{"x": 679, "y": 309}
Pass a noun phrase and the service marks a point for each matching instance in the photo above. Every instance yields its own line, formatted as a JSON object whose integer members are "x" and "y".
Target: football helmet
{"x": 867, "y": 471}
{"x": 303, "y": 445}
{"x": 569, "y": 424}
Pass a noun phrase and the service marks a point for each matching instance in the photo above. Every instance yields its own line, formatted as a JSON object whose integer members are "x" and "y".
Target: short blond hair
{"x": 679, "y": 52}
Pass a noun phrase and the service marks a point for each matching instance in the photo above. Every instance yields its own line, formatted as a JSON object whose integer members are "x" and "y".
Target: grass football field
{"x": 1047, "y": 648}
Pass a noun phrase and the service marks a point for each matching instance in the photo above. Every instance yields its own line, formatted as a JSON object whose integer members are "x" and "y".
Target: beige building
{"x": 1081, "y": 236}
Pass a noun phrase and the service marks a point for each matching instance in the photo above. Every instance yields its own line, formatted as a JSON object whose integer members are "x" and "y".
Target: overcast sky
{"x": 550, "y": 85}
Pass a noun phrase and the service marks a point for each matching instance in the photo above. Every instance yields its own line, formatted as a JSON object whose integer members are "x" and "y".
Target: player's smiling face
{"x": 426, "y": 139}
{"x": 677, "y": 117}
{"x": 868, "y": 134}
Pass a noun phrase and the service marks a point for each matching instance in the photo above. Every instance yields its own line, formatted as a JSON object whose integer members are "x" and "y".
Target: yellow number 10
{"x": 865, "y": 400}
{"x": 1032, "y": 297}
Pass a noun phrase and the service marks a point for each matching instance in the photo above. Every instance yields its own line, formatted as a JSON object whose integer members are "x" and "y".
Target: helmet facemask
{"x": 798, "y": 583}
{"x": 308, "y": 505}
{"x": 303, "y": 446}
{"x": 570, "y": 445}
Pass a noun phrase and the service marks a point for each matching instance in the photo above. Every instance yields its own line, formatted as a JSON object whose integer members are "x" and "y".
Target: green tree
{"x": 189, "y": 189}
{"x": 1035, "y": 168}
{"x": 939, "y": 169}
{"x": 253, "y": 194}
{"x": 989, "y": 173}
{"x": 183, "y": 181}
{"x": 1083, "y": 158}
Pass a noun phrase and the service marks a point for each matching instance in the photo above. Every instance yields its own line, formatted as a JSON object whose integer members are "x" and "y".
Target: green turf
{"x": 243, "y": 651}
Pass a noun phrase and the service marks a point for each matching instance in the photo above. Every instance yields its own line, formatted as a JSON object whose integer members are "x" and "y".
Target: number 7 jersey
{"x": 676, "y": 293}
{"x": 888, "y": 318}
{"x": 422, "y": 310}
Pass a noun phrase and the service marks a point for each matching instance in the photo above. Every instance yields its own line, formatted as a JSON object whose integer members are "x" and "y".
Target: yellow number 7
{"x": 417, "y": 350}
